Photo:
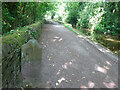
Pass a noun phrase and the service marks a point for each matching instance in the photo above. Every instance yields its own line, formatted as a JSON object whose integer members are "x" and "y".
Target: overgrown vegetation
{"x": 98, "y": 20}
{"x": 100, "y": 17}
{"x": 19, "y": 14}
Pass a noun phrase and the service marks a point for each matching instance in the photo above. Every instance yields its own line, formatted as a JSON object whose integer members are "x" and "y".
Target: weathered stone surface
{"x": 10, "y": 55}
{"x": 31, "y": 51}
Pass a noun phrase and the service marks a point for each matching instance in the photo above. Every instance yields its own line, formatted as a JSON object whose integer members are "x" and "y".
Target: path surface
{"x": 69, "y": 61}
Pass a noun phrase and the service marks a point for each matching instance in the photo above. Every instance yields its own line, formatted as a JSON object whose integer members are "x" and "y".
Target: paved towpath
{"x": 70, "y": 61}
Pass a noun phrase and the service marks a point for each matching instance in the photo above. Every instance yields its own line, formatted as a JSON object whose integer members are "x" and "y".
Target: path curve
{"x": 69, "y": 61}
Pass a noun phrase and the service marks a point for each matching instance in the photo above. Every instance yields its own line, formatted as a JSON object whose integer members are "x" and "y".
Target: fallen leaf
{"x": 66, "y": 80}
{"x": 83, "y": 77}
{"x": 26, "y": 85}
{"x": 61, "y": 79}
{"x": 57, "y": 84}
{"x": 44, "y": 45}
{"x": 49, "y": 59}
{"x": 50, "y": 64}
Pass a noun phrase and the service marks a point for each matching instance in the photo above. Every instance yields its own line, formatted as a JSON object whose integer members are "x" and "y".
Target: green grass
{"x": 67, "y": 26}
{"x": 110, "y": 43}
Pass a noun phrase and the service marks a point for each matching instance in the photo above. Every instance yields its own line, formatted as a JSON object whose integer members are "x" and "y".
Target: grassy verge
{"x": 108, "y": 41}
{"x": 67, "y": 26}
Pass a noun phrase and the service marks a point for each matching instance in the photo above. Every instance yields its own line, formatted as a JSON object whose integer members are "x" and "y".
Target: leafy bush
{"x": 60, "y": 18}
{"x": 101, "y": 17}
{"x": 19, "y": 14}
{"x": 72, "y": 17}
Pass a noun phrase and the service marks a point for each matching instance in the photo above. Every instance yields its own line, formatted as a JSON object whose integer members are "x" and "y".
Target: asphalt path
{"x": 70, "y": 61}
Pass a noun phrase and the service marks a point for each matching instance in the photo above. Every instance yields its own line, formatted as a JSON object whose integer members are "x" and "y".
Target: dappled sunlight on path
{"x": 69, "y": 61}
{"x": 57, "y": 38}
{"x": 100, "y": 69}
{"x": 71, "y": 66}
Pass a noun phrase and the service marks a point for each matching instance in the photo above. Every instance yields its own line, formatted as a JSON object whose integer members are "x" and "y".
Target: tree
{"x": 19, "y": 14}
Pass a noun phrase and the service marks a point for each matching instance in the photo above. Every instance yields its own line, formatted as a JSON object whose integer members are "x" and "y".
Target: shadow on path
{"x": 69, "y": 61}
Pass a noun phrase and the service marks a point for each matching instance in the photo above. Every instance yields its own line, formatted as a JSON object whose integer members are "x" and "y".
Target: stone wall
{"x": 11, "y": 52}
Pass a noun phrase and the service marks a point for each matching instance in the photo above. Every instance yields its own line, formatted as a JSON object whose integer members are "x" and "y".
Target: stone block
{"x": 32, "y": 50}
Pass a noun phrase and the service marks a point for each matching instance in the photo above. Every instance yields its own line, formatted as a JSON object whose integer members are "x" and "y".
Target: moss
{"x": 20, "y": 36}
{"x": 12, "y": 43}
